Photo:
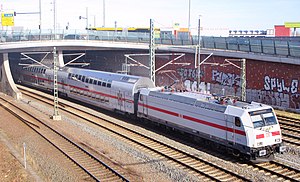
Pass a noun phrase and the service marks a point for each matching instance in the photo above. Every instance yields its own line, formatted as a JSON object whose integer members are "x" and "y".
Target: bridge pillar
{"x": 7, "y": 84}
{"x": 61, "y": 62}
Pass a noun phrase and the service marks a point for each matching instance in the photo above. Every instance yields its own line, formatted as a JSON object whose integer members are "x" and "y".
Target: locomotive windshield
{"x": 263, "y": 118}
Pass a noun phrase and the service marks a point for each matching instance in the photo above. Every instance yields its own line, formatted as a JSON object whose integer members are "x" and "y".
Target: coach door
{"x": 143, "y": 100}
{"x": 230, "y": 129}
{"x": 63, "y": 89}
{"x": 121, "y": 99}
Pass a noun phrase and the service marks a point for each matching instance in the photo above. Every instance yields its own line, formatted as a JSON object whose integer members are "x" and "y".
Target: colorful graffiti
{"x": 228, "y": 79}
{"x": 278, "y": 92}
{"x": 188, "y": 73}
{"x": 280, "y": 85}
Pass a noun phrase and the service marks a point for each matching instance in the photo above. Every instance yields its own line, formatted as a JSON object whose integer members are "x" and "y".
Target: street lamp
{"x": 189, "y": 21}
{"x": 86, "y": 18}
{"x": 40, "y": 20}
{"x": 103, "y": 13}
{"x": 54, "y": 18}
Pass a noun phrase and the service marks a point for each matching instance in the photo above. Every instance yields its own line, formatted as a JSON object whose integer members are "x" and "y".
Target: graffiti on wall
{"x": 188, "y": 73}
{"x": 189, "y": 77}
{"x": 295, "y": 101}
{"x": 276, "y": 91}
{"x": 228, "y": 79}
{"x": 280, "y": 85}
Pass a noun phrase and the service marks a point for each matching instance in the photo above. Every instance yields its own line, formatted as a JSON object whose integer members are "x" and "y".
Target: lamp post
{"x": 103, "y": 13}
{"x": 85, "y": 18}
{"x": 189, "y": 21}
{"x": 40, "y": 10}
{"x": 54, "y": 18}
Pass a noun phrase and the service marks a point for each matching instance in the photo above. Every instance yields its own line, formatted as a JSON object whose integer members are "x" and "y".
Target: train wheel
{"x": 236, "y": 153}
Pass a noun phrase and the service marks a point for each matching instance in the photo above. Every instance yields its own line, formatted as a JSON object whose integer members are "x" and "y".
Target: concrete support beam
{"x": 61, "y": 62}
{"x": 7, "y": 84}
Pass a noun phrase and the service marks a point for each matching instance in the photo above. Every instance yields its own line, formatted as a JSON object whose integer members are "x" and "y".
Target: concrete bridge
{"x": 7, "y": 85}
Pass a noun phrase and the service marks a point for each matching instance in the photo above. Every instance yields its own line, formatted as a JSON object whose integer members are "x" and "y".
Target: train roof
{"x": 123, "y": 82}
{"x": 103, "y": 75}
{"x": 207, "y": 101}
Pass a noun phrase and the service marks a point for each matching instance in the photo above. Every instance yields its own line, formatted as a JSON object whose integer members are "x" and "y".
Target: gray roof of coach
{"x": 187, "y": 99}
{"x": 104, "y": 75}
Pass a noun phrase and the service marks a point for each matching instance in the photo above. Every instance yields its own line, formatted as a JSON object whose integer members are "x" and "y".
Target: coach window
{"x": 79, "y": 77}
{"x": 86, "y": 80}
{"x": 99, "y": 83}
{"x": 91, "y": 81}
{"x": 104, "y": 84}
{"x": 109, "y": 85}
{"x": 83, "y": 78}
{"x": 95, "y": 82}
{"x": 237, "y": 122}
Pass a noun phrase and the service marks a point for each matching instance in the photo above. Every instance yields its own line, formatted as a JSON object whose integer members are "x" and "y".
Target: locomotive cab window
{"x": 263, "y": 118}
{"x": 237, "y": 122}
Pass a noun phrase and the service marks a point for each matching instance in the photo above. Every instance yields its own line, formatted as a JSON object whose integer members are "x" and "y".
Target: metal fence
{"x": 286, "y": 46}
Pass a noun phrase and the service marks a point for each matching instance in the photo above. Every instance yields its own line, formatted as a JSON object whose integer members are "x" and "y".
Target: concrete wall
{"x": 7, "y": 84}
{"x": 272, "y": 83}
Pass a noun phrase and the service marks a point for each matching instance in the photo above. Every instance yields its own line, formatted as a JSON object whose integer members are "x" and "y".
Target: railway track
{"x": 289, "y": 120}
{"x": 279, "y": 171}
{"x": 290, "y": 130}
{"x": 93, "y": 167}
{"x": 204, "y": 170}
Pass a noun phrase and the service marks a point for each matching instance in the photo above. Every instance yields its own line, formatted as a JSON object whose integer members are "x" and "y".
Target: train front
{"x": 265, "y": 139}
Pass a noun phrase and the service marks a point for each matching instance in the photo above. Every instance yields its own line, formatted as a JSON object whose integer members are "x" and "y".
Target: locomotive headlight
{"x": 259, "y": 143}
{"x": 262, "y": 152}
{"x": 277, "y": 140}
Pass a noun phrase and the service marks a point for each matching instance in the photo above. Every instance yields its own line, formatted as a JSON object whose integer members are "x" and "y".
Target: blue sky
{"x": 231, "y": 14}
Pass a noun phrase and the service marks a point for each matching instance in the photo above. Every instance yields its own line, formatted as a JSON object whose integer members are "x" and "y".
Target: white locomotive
{"x": 250, "y": 130}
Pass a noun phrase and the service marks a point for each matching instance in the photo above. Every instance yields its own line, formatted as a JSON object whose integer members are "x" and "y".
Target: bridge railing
{"x": 286, "y": 46}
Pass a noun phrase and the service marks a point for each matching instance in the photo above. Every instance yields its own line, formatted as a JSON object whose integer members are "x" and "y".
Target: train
{"x": 247, "y": 130}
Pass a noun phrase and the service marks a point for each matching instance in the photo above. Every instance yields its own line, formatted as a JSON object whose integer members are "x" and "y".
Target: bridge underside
{"x": 272, "y": 80}
{"x": 7, "y": 84}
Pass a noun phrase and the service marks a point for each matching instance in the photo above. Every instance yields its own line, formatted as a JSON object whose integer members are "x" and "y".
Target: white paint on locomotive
{"x": 248, "y": 129}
